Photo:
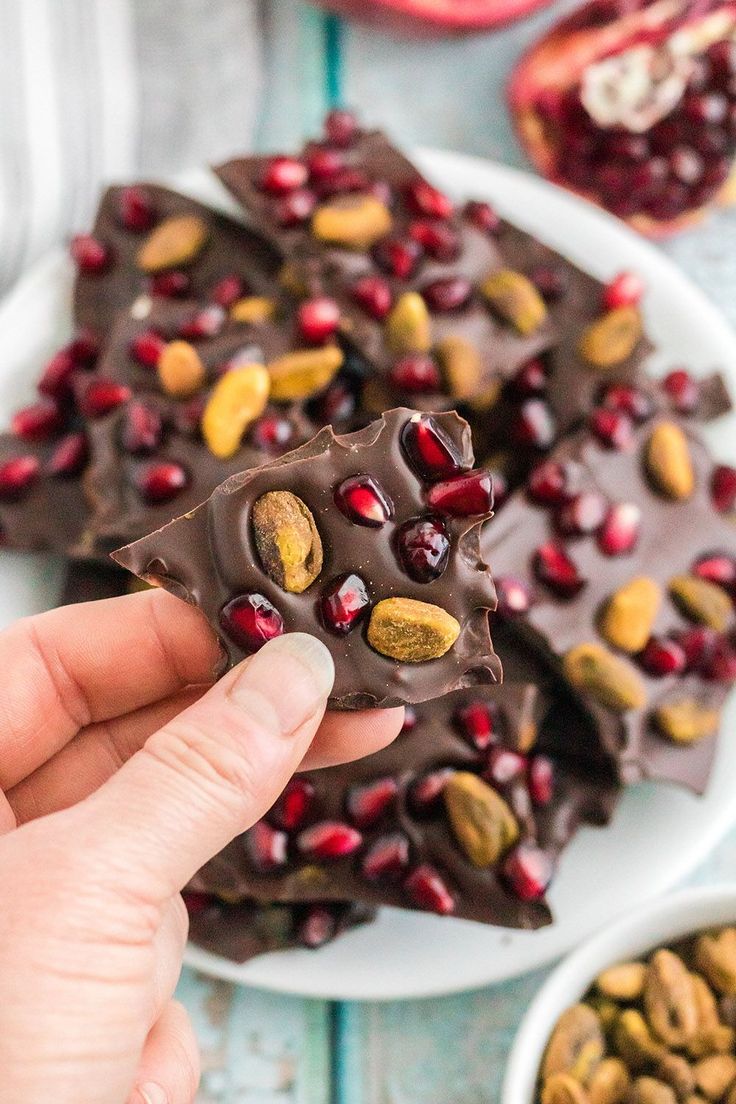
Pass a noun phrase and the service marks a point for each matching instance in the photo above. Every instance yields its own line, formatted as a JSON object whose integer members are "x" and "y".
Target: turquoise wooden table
{"x": 260, "y": 1048}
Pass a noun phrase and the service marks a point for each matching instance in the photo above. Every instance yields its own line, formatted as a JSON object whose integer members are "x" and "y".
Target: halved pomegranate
{"x": 632, "y": 103}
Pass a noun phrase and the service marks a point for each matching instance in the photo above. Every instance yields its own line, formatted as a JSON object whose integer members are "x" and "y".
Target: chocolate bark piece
{"x": 388, "y": 829}
{"x": 227, "y": 249}
{"x": 606, "y": 543}
{"x": 243, "y": 930}
{"x": 333, "y": 539}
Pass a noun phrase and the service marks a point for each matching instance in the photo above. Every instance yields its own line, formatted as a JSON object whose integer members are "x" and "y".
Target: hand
{"x": 123, "y": 770}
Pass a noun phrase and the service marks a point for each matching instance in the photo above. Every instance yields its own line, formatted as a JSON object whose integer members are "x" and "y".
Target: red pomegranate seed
{"x": 584, "y": 513}
{"x": 482, "y": 215}
{"x": 399, "y": 257}
{"x": 424, "y": 199}
{"x": 324, "y": 162}
{"x": 624, "y": 290}
{"x": 706, "y": 107}
{"x": 534, "y": 424}
{"x": 102, "y": 396}
{"x": 170, "y": 285}
{"x": 720, "y": 666}
{"x": 428, "y": 891}
{"x": 142, "y": 429}
{"x": 188, "y": 415}
{"x": 318, "y": 926}
{"x": 423, "y": 547}
{"x": 464, "y": 495}
{"x": 612, "y": 428}
{"x": 531, "y": 378}
{"x": 416, "y": 373}
{"x": 84, "y": 348}
{"x": 346, "y": 180}
{"x": 136, "y": 210}
{"x": 203, "y": 323}
{"x": 16, "y": 475}
{"x": 266, "y": 847}
{"x": 514, "y": 596}
{"x": 504, "y": 766}
{"x": 272, "y": 433}
{"x": 57, "y": 375}
{"x": 344, "y": 603}
{"x": 162, "y": 481}
{"x": 698, "y": 643}
{"x": 718, "y": 568}
{"x": 554, "y": 567}
{"x": 541, "y": 780}
{"x": 295, "y": 208}
{"x": 662, "y": 656}
{"x": 37, "y": 422}
{"x": 426, "y": 792}
{"x": 197, "y": 903}
{"x": 366, "y": 804}
{"x": 291, "y": 808}
{"x": 336, "y": 404}
{"x": 476, "y": 721}
{"x": 146, "y": 348}
{"x": 620, "y": 531}
{"x": 317, "y": 319}
{"x": 69, "y": 455}
{"x": 251, "y": 621}
{"x": 410, "y": 719}
{"x": 528, "y": 871}
{"x": 373, "y": 294}
{"x": 283, "y": 174}
{"x": 383, "y": 191}
{"x": 448, "y": 294}
{"x": 429, "y": 450}
{"x": 329, "y": 839}
{"x": 630, "y": 400}
{"x": 362, "y": 499}
{"x": 551, "y": 482}
{"x": 550, "y": 281}
{"x": 341, "y": 127}
{"x": 387, "y": 859}
{"x": 682, "y": 389}
{"x": 439, "y": 240}
{"x": 501, "y": 489}
{"x": 91, "y": 256}
{"x": 723, "y": 488}
{"x": 228, "y": 290}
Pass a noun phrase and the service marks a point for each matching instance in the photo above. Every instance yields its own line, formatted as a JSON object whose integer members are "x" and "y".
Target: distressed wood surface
{"x": 261, "y": 1048}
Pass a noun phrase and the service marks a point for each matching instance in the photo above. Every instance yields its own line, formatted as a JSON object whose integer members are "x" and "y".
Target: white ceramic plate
{"x": 658, "y": 835}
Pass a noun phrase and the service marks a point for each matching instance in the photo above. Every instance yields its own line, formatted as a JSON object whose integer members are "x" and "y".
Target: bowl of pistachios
{"x": 642, "y": 1013}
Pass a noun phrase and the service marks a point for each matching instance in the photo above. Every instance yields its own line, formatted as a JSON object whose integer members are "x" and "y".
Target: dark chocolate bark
{"x": 433, "y": 635}
{"x": 638, "y": 523}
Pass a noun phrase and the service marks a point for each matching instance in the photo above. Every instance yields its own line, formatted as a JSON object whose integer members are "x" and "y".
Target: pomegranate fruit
{"x": 631, "y": 104}
{"x": 433, "y": 18}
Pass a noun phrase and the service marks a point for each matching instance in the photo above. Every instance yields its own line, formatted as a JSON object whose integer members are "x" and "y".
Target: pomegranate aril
{"x": 551, "y": 281}
{"x": 425, "y": 199}
{"x": 663, "y": 656}
{"x": 698, "y": 643}
{"x": 266, "y": 846}
{"x": 142, "y": 430}
{"x": 251, "y": 621}
{"x": 534, "y": 424}
{"x": 69, "y": 455}
{"x": 718, "y": 568}
{"x": 448, "y": 294}
{"x": 582, "y": 514}
{"x": 283, "y": 174}
{"x": 613, "y": 429}
{"x": 504, "y": 766}
{"x": 84, "y": 348}
{"x": 367, "y": 803}
{"x": 90, "y": 255}
{"x": 430, "y": 451}
{"x": 188, "y": 415}
{"x": 373, "y": 294}
{"x": 551, "y": 483}
{"x": 317, "y": 319}
{"x": 501, "y": 489}
{"x": 620, "y": 531}
{"x": 16, "y": 475}
{"x": 399, "y": 257}
{"x": 317, "y": 927}
{"x": 146, "y": 348}
{"x": 291, "y": 808}
{"x": 628, "y": 399}
{"x": 427, "y": 890}
{"x": 514, "y": 596}
{"x": 102, "y": 396}
{"x": 424, "y": 548}
{"x": 324, "y": 162}
{"x": 682, "y": 389}
{"x": 160, "y": 482}
{"x": 273, "y": 434}
{"x": 136, "y": 209}
{"x": 344, "y": 603}
{"x": 722, "y": 58}
{"x": 464, "y": 495}
{"x": 294, "y": 208}
{"x": 531, "y": 378}
{"x": 170, "y": 285}
{"x": 624, "y": 290}
{"x": 37, "y": 422}
{"x": 341, "y": 127}
{"x": 439, "y": 240}
{"x": 362, "y": 499}
{"x": 329, "y": 839}
{"x": 346, "y": 180}
{"x": 477, "y": 722}
{"x": 228, "y": 290}
{"x": 336, "y": 404}
{"x": 203, "y": 323}
{"x": 706, "y": 107}
{"x": 555, "y": 568}
{"x": 57, "y": 375}
{"x": 410, "y": 719}
{"x": 197, "y": 903}
{"x": 541, "y": 780}
{"x": 416, "y": 373}
{"x": 528, "y": 871}
{"x": 630, "y": 147}
{"x": 686, "y": 165}
{"x": 387, "y": 859}
{"x": 723, "y": 488}
{"x": 426, "y": 792}
{"x": 720, "y": 665}
{"x": 482, "y": 215}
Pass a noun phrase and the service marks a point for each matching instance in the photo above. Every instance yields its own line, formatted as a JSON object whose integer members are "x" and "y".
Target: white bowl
{"x": 658, "y": 922}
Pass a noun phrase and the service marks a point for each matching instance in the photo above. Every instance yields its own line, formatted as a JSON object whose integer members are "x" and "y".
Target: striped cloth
{"x": 97, "y": 90}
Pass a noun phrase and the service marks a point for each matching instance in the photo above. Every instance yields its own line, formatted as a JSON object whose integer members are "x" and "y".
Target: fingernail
{"x": 152, "y": 1094}
{"x": 295, "y": 673}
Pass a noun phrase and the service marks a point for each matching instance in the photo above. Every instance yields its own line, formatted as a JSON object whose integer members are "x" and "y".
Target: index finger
{"x": 78, "y": 665}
